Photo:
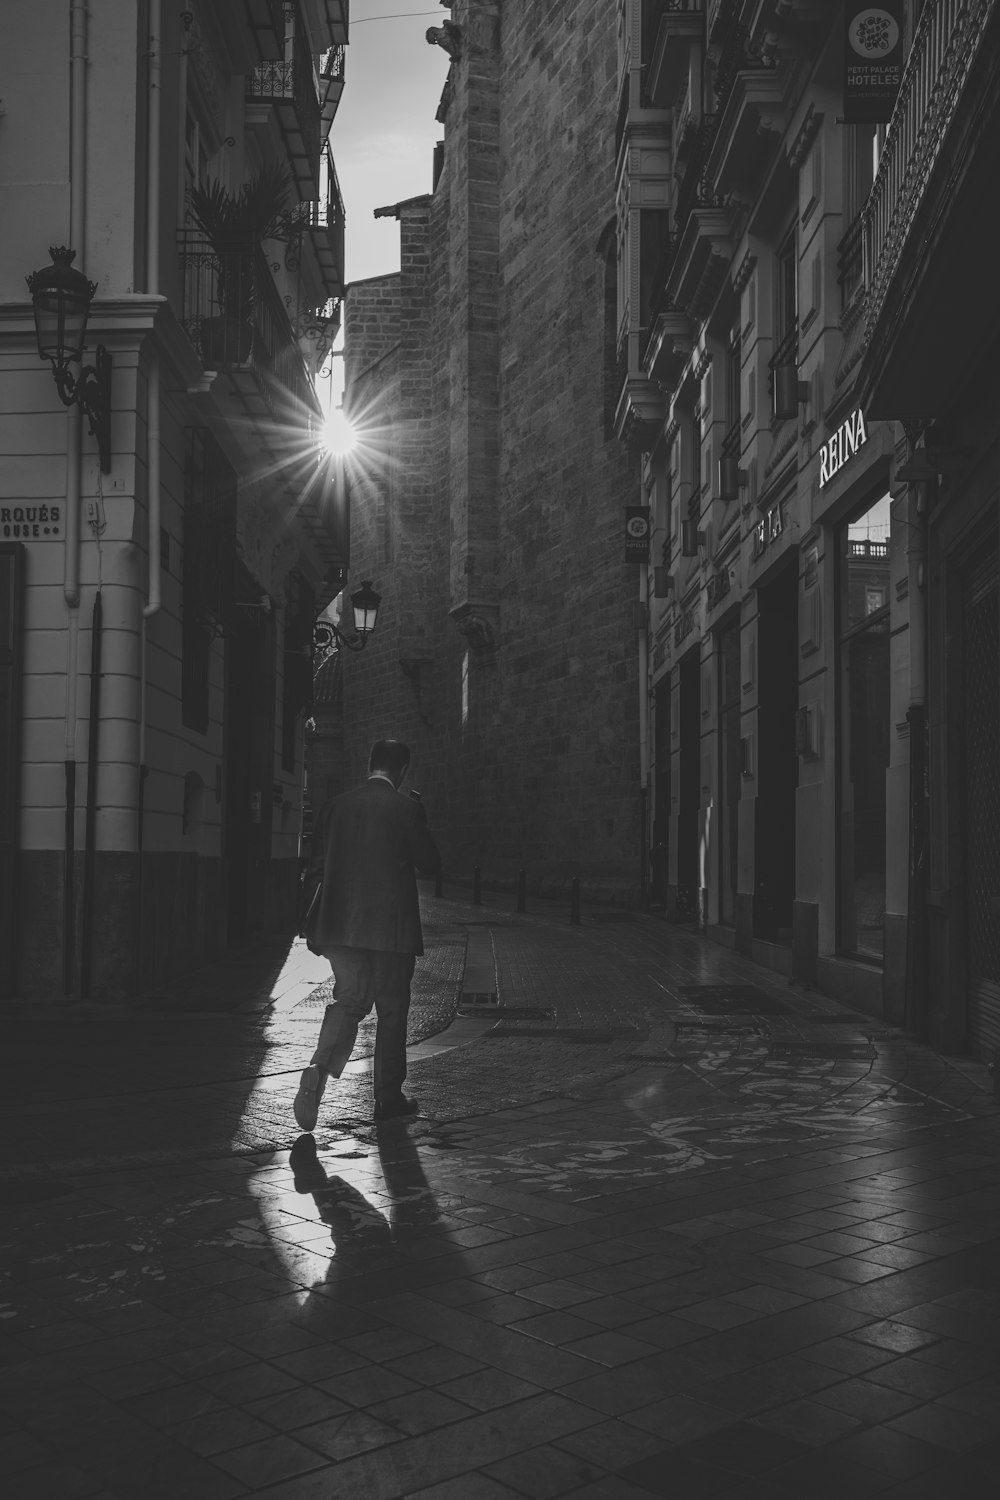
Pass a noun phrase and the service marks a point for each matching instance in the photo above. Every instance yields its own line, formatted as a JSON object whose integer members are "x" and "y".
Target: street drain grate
{"x": 470, "y": 998}
{"x": 844, "y": 1051}
{"x": 732, "y": 1000}
{"x": 35, "y": 1190}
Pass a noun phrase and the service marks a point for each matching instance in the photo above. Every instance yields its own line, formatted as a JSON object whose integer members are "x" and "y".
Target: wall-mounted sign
{"x": 32, "y": 523}
{"x": 768, "y": 529}
{"x": 846, "y": 441}
{"x": 637, "y": 533}
{"x": 684, "y": 626}
{"x": 719, "y": 585}
{"x": 873, "y": 60}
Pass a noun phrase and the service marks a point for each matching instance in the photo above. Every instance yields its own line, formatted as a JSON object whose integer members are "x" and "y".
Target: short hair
{"x": 390, "y": 756}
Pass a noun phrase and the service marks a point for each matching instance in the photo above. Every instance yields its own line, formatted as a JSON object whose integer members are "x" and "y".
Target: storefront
{"x": 729, "y": 768}
{"x": 863, "y": 717}
{"x": 777, "y": 767}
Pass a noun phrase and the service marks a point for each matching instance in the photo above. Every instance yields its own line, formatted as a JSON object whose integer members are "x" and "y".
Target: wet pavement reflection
{"x": 664, "y": 1226}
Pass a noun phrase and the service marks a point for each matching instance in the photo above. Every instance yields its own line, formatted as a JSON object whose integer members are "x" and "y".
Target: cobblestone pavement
{"x": 667, "y": 1225}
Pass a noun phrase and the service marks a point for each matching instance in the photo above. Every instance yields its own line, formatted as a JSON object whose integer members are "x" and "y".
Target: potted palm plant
{"x": 235, "y": 222}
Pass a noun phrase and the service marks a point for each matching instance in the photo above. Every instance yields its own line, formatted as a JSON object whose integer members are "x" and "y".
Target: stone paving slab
{"x": 636, "y": 1244}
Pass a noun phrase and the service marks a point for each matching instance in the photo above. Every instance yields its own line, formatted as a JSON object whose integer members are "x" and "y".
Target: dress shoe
{"x": 306, "y": 1106}
{"x": 395, "y": 1108}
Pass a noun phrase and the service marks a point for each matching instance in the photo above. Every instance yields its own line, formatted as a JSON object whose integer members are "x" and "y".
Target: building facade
{"x": 159, "y": 597}
{"x": 488, "y": 492}
{"x": 791, "y": 584}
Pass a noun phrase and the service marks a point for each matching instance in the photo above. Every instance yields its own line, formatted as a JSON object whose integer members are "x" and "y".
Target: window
{"x": 862, "y": 158}
{"x": 786, "y": 316}
{"x": 863, "y": 554}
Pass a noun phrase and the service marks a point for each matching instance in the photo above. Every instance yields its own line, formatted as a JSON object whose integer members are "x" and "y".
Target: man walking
{"x": 371, "y": 842}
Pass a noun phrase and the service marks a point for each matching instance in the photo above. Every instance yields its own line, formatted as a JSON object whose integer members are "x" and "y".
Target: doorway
{"x": 689, "y": 789}
{"x": 249, "y": 764}
{"x": 778, "y": 766}
{"x": 661, "y": 793}
{"x": 730, "y": 769}
{"x": 981, "y": 781}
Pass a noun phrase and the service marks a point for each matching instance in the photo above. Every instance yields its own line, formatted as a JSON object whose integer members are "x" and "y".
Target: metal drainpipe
{"x": 154, "y": 599}
{"x": 71, "y": 556}
{"x": 643, "y": 733}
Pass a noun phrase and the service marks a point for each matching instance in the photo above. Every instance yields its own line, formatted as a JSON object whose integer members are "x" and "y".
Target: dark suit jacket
{"x": 373, "y": 840}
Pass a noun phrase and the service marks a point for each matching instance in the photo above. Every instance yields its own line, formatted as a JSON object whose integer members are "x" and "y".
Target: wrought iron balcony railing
{"x": 851, "y": 260}
{"x": 293, "y": 88}
{"x": 234, "y": 316}
{"x": 331, "y": 85}
{"x": 945, "y": 46}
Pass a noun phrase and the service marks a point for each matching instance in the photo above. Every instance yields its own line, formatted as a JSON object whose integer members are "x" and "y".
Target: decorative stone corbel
{"x": 447, "y": 36}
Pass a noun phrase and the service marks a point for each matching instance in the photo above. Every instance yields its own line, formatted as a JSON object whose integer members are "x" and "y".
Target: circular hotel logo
{"x": 873, "y": 33}
{"x": 637, "y": 527}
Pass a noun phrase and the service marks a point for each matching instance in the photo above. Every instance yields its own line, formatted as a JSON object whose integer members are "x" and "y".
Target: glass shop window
{"x": 863, "y": 650}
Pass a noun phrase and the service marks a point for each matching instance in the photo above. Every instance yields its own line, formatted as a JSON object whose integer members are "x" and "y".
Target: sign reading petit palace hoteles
{"x": 32, "y": 523}
{"x": 637, "y": 533}
{"x": 873, "y": 60}
{"x": 846, "y": 441}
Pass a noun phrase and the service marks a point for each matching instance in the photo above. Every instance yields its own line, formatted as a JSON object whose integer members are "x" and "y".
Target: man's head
{"x": 391, "y": 757}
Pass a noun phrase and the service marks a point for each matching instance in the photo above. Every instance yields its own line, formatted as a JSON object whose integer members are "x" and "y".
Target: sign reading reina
{"x": 845, "y": 442}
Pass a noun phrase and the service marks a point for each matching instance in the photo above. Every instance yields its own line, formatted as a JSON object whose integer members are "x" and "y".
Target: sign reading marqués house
{"x": 32, "y": 523}
{"x": 873, "y": 60}
{"x": 846, "y": 441}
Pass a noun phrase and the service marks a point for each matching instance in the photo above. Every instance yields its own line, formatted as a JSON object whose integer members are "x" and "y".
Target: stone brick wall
{"x": 507, "y": 653}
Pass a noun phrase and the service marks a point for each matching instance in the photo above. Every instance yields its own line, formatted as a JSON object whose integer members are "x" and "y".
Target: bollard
{"x": 574, "y": 904}
{"x": 439, "y": 884}
{"x": 477, "y": 887}
{"x": 522, "y": 891}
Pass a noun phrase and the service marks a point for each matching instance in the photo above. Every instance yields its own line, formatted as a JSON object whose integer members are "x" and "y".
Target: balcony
{"x": 266, "y": 20}
{"x": 682, "y": 27}
{"x": 236, "y": 320}
{"x": 931, "y": 301}
{"x": 291, "y": 89}
{"x": 749, "y": 130}
{"x": 323, "y": 220}
{"x": 331, "y": 87}
{"x": 704, "y": 252}
{"x": 671, "y": 339}
{"x": 641, "y": 407}
{"x": 337, "y": 17}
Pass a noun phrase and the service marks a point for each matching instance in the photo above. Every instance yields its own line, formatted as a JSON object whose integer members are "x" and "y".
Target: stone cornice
{"x": 798, "y": 148}
{"x": 744, "y": 271}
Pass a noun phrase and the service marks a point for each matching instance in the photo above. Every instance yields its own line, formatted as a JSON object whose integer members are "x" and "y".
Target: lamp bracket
{"x": 91, "y": 392}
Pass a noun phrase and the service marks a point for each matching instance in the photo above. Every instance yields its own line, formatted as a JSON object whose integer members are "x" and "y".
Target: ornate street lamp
{"x": 327, "y": 638}
{"x": 61, "y": 298}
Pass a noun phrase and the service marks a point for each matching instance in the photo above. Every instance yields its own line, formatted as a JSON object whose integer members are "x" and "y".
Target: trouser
{"x": 364, "y": 977}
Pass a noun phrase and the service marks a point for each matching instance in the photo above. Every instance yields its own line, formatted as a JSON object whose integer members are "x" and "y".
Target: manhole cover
{"x": 844, "y": 1051}
{"x": 34, "y": 1190}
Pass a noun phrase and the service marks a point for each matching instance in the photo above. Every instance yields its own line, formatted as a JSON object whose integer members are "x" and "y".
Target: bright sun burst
{"x": 338, "y": 434}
